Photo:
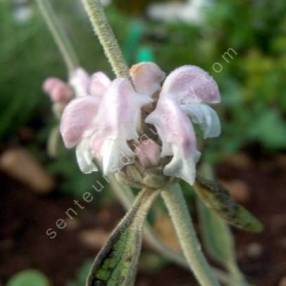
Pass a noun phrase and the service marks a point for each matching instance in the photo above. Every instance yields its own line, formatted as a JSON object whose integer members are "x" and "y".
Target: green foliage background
{"x": 252, "y": 83}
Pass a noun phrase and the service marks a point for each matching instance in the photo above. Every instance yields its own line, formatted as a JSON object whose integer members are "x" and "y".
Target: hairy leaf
{"x": 217, "y": 198}
{"x": 219, "y": 243}
{"x": 116, "y": 263}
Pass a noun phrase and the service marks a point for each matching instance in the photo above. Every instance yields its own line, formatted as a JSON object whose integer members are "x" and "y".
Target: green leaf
{"x": 29, "y": 278}
{"x": 215, "y": 234}
{"x": 219, "y": 243}
{"x": 117, "y": 261}
{"x": 218, "y": 199}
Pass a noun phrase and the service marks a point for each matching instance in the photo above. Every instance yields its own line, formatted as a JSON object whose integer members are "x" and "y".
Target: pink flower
{"x": 117, "y": 122}
{"x": 58, "y": 91}
{"x": 184, "y": 95}
{"x": 106, "y": 119}
{"x": 147, "y": 77}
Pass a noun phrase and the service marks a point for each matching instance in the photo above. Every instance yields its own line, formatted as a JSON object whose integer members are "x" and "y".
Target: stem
{"x": 126, "y": 197}
{"x": 178, "y": 210}
{"x": 236, "y": 276}
{"x": 59, "y": 35}
{"x": 106, "y": 37}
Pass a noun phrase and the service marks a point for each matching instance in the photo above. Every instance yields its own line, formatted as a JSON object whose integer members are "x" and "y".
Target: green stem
{"x": 126, "y": 198}
{"x": 59, "y": 35}
{"x": 106, "y": 37}
{"x": 178, "y": 210}
{"x": 236, "y": 277}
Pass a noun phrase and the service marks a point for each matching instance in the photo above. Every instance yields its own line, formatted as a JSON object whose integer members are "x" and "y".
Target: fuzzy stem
{"x": 59, "y": 35}
{"x": 106, "y": 37}
{"x": 178, "y": 210}
{"x": 237, "y": 277}
{"x": 126, "y": 197}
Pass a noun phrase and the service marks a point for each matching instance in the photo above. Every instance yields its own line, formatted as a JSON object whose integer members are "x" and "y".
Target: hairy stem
{"x": 178, "y": 210}
{"x": 106, "y": 37}
{"x": 59, "y": 35}
{"x": 126, "y": 198}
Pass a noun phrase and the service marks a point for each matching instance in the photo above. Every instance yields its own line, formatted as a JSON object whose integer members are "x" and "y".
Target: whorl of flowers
{"x": 111, "y": 123}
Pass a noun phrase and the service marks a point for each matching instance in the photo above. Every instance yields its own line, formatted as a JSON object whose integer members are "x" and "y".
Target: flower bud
{"x": 148, "y": 153}
{"x": 58, "y": 91}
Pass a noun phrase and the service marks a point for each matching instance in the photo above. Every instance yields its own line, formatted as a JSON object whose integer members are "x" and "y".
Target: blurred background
{"x": 241, "y": 43}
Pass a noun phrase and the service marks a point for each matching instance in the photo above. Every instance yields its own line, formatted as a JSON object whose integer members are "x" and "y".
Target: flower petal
{"x": 181, "y": 166}
{"x": 117, "y": 122}
{"x": 147, "y": 77}
{"x": 50, "y": 83}
{"x": 57, "y": 90}
{"x": 190, "y": 84}
{"x": 178, "y": 139}
{"x": 84, "y": 157}
{"x": 99, "y": 84}
{"x": 80, "y": 81}
{"x": 206, "y": 117}
{"x": 77, "y": 118}
{"x": 117, "y": 154}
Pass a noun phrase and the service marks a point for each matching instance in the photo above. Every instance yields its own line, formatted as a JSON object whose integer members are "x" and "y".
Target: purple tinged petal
{"x": 147, "y": 77}
{"x": 190, "y": 84}
{"x": 77, "y": 118}
{"x": 178, "y": 139}
{"x": 57, "y": 90}
{"x": 116, "y": 123}
{"x": 50, "y": 83}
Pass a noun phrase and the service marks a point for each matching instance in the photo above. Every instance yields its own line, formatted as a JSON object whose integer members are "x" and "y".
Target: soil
{"x": 26, "y": 216}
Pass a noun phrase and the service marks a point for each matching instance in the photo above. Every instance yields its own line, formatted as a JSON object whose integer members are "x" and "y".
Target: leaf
{"x": 218, "y": 199}
{"x": 29, "y": 278}
{"x": 117, "y": 261}
{"x": 219, "y": 243}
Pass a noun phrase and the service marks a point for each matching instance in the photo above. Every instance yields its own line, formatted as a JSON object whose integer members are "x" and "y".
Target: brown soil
{"x": 25, "y": 217}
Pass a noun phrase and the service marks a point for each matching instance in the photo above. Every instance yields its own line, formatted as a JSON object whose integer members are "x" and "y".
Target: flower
{"x": 106, "y": 119}
{"x": 58, "y": 90}
{"x": 106, "y": 116}
{"x": 185, "y": 93}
